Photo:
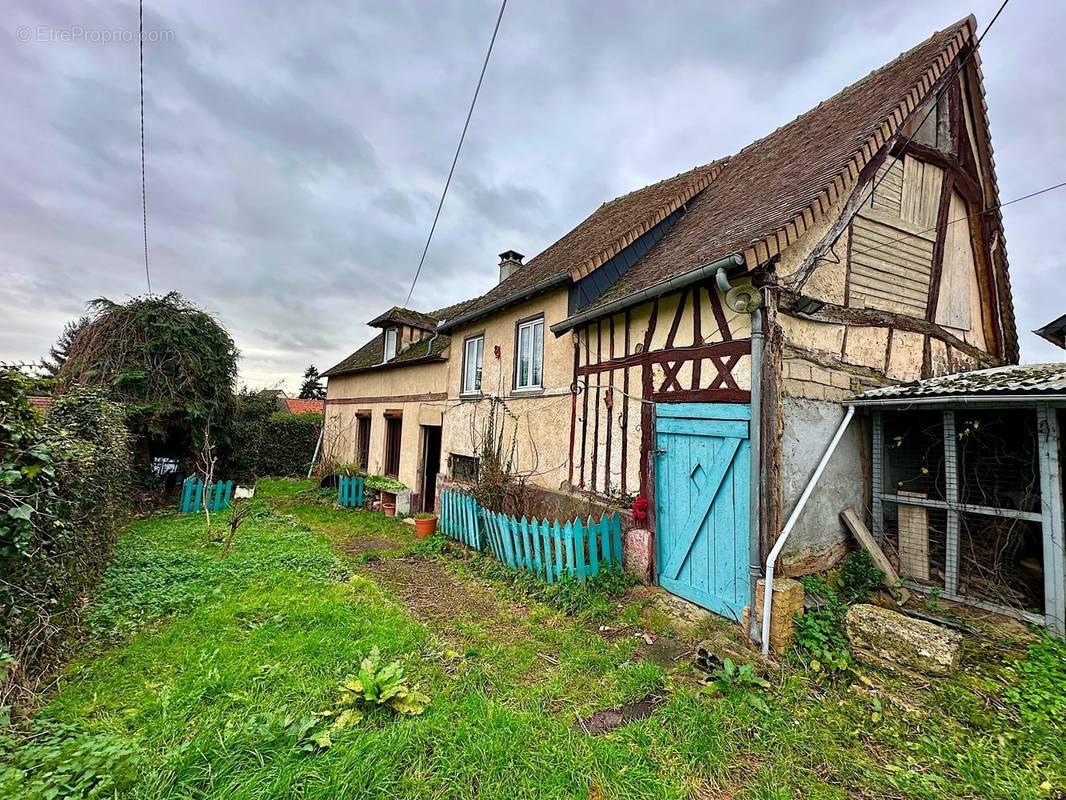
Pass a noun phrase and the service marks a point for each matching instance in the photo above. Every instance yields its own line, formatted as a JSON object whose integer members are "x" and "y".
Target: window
{"x": 463, "y": 468}
{"x": 393, "y": 427}
{"x": 530, "y": 354}
{"x": 473, "y": 352}
{"x": 363, "y": 442}
{"x": 390, "y": 344}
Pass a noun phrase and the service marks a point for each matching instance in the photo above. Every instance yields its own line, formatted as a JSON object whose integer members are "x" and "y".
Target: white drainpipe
{"x": 768, "y": 591}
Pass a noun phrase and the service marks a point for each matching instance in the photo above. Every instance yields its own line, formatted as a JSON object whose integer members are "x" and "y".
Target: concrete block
{"x": 890, "y": 639}
{"x": 403, "y": 502}
{"x": 638, "y": 553}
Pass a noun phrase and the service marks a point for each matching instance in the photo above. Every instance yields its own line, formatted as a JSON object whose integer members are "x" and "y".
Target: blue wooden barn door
{"x": 701, "y": 502}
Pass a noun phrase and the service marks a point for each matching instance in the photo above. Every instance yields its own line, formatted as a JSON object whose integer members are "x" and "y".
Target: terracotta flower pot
{"x": 424, "y": 528}
{"x": 389, "y": 507}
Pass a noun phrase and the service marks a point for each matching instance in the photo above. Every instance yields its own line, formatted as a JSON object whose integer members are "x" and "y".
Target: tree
{"x": 172, "y": 365}
{"x": 57, "y": 353}
{"x": 311, "y": 388}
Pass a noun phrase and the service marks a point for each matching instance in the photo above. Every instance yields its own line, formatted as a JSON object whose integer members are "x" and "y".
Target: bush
{"x": 67, "y": 482}
{"x": 288, "y": 444}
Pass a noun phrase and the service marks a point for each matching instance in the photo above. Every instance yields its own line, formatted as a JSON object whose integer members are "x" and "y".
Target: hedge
{"x": 288, "y": 444}
{"x": 66, "y": 482}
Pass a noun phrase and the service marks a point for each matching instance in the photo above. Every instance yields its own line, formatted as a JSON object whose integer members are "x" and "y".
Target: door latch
{"x": 659, "y": 451}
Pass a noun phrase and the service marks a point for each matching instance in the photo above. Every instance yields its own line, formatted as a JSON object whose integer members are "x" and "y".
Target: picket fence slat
{"x": 549, "y": 549}
{"x": 195, "y": 499}
{"x": 350, "y": 491}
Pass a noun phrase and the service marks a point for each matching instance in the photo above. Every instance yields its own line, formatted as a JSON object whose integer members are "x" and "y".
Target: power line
{"x": 451, "y": 171}
{"x": 932, "y": 106}
{"x": 983, "y": 211}
{"x": 144, "y": 191}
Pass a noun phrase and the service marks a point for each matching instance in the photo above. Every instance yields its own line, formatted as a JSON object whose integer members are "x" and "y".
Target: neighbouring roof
{"x": 1017, "y": 380}
{"x": 771, "y": 192}
{"x": 296, "y": 405}
{"x": 40, "y": 402}
{"x": 1054, "y": 332}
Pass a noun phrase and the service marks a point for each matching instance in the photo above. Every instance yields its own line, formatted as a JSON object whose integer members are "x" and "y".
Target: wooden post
{"x": 1051, "y": 509}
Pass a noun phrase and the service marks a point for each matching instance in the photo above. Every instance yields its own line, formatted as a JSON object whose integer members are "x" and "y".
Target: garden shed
{"x": 967, "y": 487}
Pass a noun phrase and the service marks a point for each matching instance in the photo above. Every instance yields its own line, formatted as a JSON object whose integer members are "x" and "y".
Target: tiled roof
{"x": 296, "y": 405}
{"x": 609, "y": 229}
{"x": 370, "y": 354}
{"x": 404, "y": 316}
{"x": 1017, "y": 379}
{"x": 40, "y": 402}
{"x": 772, "y": 191}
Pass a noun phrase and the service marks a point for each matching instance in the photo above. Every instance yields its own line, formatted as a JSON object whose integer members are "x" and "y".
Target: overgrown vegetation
{"x": 259, "y": 440}
{"x": 820, "y": 640}
{"x": 172, "y": 365}
{"x": 65, "y": 486}
{"x": 205, "y": 674}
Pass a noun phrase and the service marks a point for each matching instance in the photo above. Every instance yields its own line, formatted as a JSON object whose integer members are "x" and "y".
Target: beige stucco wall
{"x": 537, "y": 424}
{"x": 417, "y": 390}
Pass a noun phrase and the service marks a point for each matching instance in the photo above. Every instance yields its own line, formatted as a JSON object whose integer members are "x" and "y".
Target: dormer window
{"x": 390, "y": 344}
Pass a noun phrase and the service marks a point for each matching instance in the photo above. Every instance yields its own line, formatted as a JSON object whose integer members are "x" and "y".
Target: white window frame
{"x": 390, "y": 344}
{"x": 529, "y": 377}
{"x": 477, "y": 360}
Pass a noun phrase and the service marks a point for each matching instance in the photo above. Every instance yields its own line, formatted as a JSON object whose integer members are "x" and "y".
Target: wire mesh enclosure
{"x": 965, "y": 500}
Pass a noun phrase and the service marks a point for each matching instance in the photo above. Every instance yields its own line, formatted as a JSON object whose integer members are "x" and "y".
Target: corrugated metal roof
{"x": 1014, "y": 380}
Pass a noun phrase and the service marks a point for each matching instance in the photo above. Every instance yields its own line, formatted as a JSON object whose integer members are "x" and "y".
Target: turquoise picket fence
{"x": 192, "y": 495}
{"x": 461, "y": 518}
{"x": 578, "y": 549}
{"x": 350, "y": 491}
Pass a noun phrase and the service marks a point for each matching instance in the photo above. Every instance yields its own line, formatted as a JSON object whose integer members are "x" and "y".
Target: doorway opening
{"x": 431, "y": 442}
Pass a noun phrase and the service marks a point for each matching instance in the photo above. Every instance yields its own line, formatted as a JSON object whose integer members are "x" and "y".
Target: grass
{"x": 199, "y": 670}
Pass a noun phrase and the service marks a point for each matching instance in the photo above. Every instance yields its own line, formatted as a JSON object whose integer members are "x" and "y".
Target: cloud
{"x": 295, "y": 154}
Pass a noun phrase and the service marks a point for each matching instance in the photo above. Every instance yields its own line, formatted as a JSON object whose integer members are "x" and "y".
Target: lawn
{"x": 201, "y": 675}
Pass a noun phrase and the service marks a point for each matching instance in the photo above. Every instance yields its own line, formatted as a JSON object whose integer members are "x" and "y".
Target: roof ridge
{"x": 649, "y": 221}
{"x": 762, "y": 250}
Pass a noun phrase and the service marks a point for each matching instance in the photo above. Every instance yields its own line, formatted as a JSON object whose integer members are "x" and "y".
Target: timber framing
{"x": 871, "y": 318}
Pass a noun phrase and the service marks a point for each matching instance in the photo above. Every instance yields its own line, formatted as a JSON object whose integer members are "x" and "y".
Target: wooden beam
{"x": 866, "y": 539}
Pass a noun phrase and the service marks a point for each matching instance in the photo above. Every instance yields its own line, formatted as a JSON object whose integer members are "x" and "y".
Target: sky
{"x": 296, "y": 151}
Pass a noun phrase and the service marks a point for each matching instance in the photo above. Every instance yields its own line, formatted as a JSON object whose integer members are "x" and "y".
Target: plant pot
{"x": 424, "y": 528}
{"x": 389, "y": 507}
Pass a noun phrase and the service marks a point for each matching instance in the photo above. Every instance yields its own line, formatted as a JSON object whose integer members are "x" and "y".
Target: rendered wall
{"x": 537, "y": 423}
{"x": 417, "y": 390}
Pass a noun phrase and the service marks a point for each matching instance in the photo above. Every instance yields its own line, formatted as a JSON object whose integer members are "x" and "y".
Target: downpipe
{"x": 743, "y": 300}
{"x": 771, "y": 560}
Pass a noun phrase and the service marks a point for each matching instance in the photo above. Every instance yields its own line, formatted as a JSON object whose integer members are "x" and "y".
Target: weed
{"x": 1038, "y": 689}
{"x": 859, "y": 577}
{"x": 374, "y": 686}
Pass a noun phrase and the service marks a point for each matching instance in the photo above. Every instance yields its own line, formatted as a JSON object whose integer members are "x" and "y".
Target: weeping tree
{"x": 172, "y": 365}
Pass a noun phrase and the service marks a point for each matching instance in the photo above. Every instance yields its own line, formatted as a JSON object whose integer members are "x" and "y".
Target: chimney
{"x": 510, "y": 263}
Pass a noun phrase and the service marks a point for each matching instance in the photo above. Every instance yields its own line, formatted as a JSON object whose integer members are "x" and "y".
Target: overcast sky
{"x": 296, "y": 152}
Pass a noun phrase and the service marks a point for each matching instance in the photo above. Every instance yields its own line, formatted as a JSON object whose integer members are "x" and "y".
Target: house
{"x": 385, "y": 402}
{"x": 692, "y": 342}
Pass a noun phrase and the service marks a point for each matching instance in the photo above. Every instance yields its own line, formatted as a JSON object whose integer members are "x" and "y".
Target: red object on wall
{"x": 496, "y": 351}
{"x": 640, "y": 509}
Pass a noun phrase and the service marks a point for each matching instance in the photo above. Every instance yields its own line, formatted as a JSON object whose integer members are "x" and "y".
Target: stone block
{"x": 788, "y": 602}
{"x": 638, "y": 553}
{"x": 403, "y": 502}
{"x": 888, "y": 638}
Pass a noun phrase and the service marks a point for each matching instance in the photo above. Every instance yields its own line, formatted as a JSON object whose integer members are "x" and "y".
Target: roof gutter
{"x": 954, "y": 399}
{"x": 446, "y": 325}
{"x": 705, "y": 272}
